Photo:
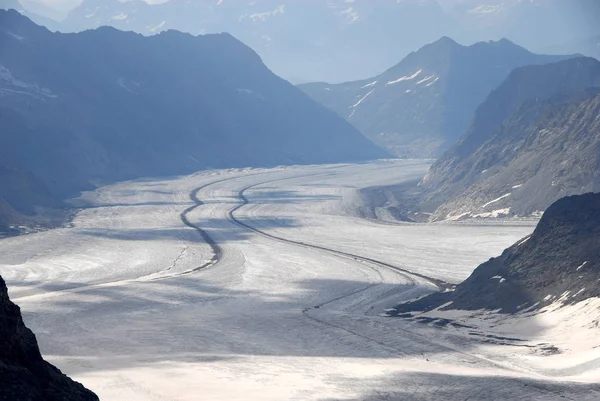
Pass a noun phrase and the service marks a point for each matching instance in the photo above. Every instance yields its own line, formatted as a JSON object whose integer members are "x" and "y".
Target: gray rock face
{"x": 421, "y": 106}
{"x": 97, "y": 106}
{"x": 560, "y": 261}
{"x": 534, "y": 140}
{"x": 24, "y": 375}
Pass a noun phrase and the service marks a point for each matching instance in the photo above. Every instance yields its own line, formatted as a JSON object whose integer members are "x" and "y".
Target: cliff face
{"x": 543, "y": 152}
{"x": 560, "y": 262}
{"x": 531, "y": 142}
{"x": 24, "y": 375}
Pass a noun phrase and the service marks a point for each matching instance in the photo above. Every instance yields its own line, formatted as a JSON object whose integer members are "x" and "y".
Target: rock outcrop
{"x": 24, "y": 375}
{"x": 559, "y": 262}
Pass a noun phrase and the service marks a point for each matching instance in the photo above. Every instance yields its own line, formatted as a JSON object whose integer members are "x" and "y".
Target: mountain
{"x": 421, "y": 106}
{"x": 588, "y": 46}
{"x": 103, "y": 105}
{"x": 559, "y": 262}
{"x": 304, "y": 39}
{"x": 31, "y": 10}
{"x": 25, "y": 202}
{"x": 339, "y": 40}
{"x": 535, "y": 139}
{"x": 535, "y": 24}
{"x": 24, "y": 375}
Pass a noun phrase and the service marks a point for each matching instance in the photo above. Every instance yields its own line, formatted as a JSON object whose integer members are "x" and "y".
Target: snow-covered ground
{"x": 118, "y": 302}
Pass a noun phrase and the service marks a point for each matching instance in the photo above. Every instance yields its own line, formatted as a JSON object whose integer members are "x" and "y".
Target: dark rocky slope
{"x": 103, "y": 105}
{"x": 24, "y": 375}
{"x": 421, "y": 106}
{"x": 546, "y": 150}
{"x": 26, "y": 203}
{"x": 560, "y": 261}
{"x": 534, "y": 140}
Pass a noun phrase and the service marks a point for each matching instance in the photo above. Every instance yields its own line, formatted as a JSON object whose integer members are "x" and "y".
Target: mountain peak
{"x": 446, "y": 41}
{"x": 17, "y": 23}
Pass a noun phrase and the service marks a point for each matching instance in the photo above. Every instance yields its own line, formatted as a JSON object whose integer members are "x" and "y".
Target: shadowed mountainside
{"x": 79, "y": 110}
{"x": 24, "y": 375}
{"x": 560, "y": 262}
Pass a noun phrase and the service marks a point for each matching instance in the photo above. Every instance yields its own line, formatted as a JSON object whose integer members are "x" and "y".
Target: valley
{"x": 350, "y": 200}
{"x": 285, "y": 300}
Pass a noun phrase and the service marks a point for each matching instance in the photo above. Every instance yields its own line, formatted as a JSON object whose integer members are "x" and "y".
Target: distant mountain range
{"x": 421, "y": 106}
{"x": 82, "y": 109}
{"x": 535, "y": 139}
{"x": 559, "y": 262}
{"x": 338, "y": 40}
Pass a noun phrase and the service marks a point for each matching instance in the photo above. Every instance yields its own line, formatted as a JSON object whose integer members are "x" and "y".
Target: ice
{"x": 118, "y": 303}
{"x": 263, "y": 17}
{"x": 425, "y": 79}
{"x": 25, "y": 88}
{"x": 494, "y": 213}
{"x": 351, "y": 14}
{"x": 433, "y": 82}
{"x": 157, "y": 27}
{"x": 18, "y": 37}
{"x": 483, "y": 10}
{"x": 405, "y": 78}
{"x": 361, "y": 99}
{"x": 496, "y": 200}
{"x": 368, "y": 85}
{"x": 456, "y": 217}
{"x": 582, "y": 265}
{"x": 90, "y": 15}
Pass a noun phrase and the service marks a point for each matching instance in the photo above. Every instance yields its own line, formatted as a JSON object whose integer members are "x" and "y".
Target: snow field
{"x": 116, "y": 304}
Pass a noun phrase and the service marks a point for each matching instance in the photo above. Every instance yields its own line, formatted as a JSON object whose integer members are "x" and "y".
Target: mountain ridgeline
{"x": 535, "y": 139}
{"x": 104, "y": 105}
{"x": 421, "y": 106}
{"x": 347, "y": 40}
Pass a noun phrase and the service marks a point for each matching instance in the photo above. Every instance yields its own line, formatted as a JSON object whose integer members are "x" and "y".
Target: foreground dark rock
{"x": 24, "y": 375}
{"x": 560, "y": 261}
